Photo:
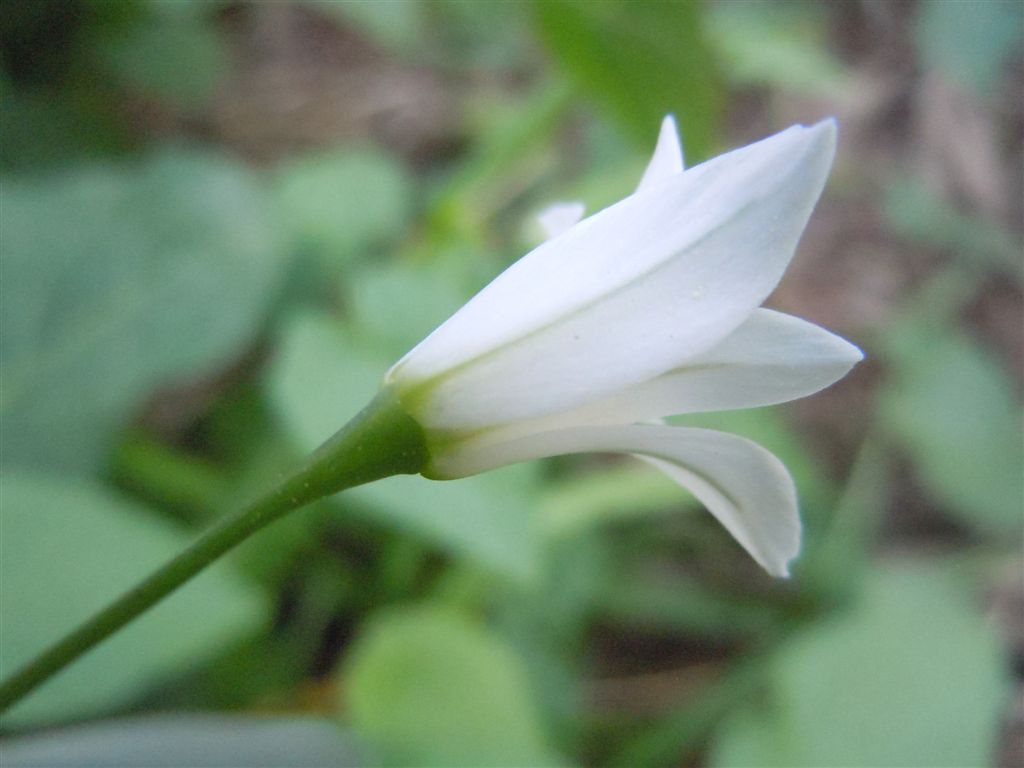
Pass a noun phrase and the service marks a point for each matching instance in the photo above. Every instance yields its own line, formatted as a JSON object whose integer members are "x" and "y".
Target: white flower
{"x": 647, "y": 309}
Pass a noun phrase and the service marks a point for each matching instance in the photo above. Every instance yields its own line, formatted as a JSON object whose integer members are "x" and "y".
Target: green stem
{"x": 382, "y": 440}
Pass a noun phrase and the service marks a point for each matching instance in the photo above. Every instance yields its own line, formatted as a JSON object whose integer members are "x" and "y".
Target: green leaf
{"x": 619, "y": 492}
{"x": 776, "y": 44}
{"x": 399, "y": 27}
{"x": 432, "y": 688}
{"x": 399, "y": 304}
{"x": 952, "y": 407}
{"x": 483, "y": 37}
{"x": 672, "y": 602}
{"x": 969, "y": 40}
{"x": 118, "y": 280}
{"x": 322, "y": 377}
{"x": 170, "y": 51}
{"x": 916, "y": 212}
{"x": 639, "y": 61}
{"x": 912, "y": 677}
{"x": 488, "y": 518}
{"x": 66, "y": 550}
{"x": 512, "y": 150}
{"x": 834, "y": 564}
{"x": 168, "y": 741}
{"x": 343, "y": 203}
{"x": 48, "y": 127}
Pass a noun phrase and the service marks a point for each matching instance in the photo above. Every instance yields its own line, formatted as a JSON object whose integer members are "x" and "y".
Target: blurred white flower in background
{"x": 647, "y": 309}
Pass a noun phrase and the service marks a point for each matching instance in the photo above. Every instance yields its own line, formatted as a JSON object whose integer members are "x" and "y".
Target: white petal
{"x": 771, "y": 358}
{"x": 668, "y": 155}
{"x": 626, "y": 294}
{"x": 558, "y": 217}
{"x": 743, "y": 485}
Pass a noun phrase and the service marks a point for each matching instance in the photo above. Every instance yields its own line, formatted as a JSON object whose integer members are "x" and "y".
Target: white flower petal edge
{"x": 747, "y": 488}
{"x": 560, "y": 217}
{"x": 625, "y": 294}
{"x": 668, "y": 156}
{"x": 771, "y": 358}
{"x": 743, "y": 485}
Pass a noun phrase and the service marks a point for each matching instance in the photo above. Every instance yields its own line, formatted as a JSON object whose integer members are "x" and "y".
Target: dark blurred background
{"x": 220, "y": 223}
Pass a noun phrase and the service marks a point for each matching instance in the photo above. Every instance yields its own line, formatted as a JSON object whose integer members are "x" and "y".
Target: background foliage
{"x": 221, "y": 221}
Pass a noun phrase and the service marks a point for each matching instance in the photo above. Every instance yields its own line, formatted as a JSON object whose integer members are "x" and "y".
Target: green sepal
{"x": 380, "y": 441}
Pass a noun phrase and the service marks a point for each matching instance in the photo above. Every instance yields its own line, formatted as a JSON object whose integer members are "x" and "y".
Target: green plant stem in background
{"x": 382, "y": 440}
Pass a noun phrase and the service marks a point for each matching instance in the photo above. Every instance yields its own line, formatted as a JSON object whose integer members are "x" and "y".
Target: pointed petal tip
{"x": 815, "y": 140}
{"x": 847, "y": 356}
{"x": 780, "y": 570}
{"x": 847, "y": 352}
{"x": 777, "y": 564}
{"x": 829, "y": 126}
{"x": 669, "y": 134}
{"x": 842, "y": 350}
{"x": 825, "y": 133}
{"x": 857, "y": 354}
{"x": 777, "y": 561}
{"x": 667, "y": 160}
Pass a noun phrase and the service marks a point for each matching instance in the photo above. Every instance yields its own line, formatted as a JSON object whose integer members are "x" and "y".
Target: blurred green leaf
{"x": 624, "y": 490}
{"x": 676, "y": 602}
{"x": 682, "y": 734}
{"x": 47, "y": 127}
{"x": 431, "y": 688}
{"x": 168, "y": 741}
{"x": 344, "y": 202}
{"x": 512, "y": 150}
{"x": 171, "y": 50}
{"x": 833, "y": 565}
{"x": 398, "y": 26}
{"x": 486, "y": 517}
{"x": 167, "y": 477}
{"x": 399, "y": 304}
{"x": 492, "y": 36}
{"x": 952, "y": 406}
{"x": 639, "y": 61}
{"x": 779, "y": 44}
{"x": 70, "y": 548}
{"x": 183, "y": 8}
{"x": 969, "y": 40}
{"x": 118, "y": 280}
{"x": 323, "y": 377}
{"x": 917, "y": 213}
{"x": 912, "y": 677}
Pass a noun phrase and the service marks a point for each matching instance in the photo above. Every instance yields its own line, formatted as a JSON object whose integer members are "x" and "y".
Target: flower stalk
{"x": 381, "y": 441}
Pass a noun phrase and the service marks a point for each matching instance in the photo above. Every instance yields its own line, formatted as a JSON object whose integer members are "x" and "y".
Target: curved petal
{"x": 772, "y": 358}
{"x": 668, "y": 156}
{"x": 743, "y": 485}
{"x": 626, "y": 294}
{"x": 559, "y": 217}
